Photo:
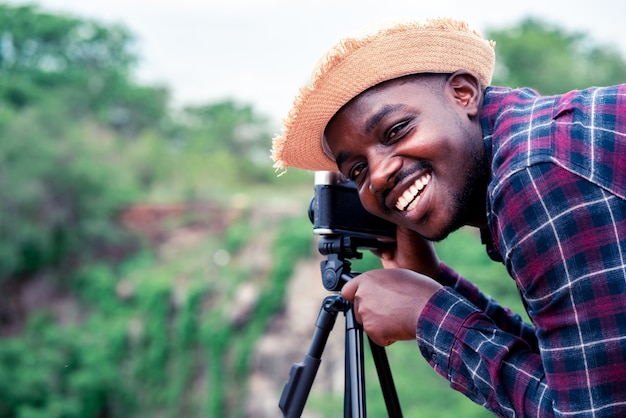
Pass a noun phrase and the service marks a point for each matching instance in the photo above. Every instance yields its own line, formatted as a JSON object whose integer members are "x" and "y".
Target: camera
{"x": 336, "y": 210}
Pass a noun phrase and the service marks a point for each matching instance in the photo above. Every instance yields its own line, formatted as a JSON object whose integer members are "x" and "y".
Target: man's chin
{"x": 443, "y": 231}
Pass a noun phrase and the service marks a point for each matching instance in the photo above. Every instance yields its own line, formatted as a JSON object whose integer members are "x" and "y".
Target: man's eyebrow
{"x": 373, "y": 120}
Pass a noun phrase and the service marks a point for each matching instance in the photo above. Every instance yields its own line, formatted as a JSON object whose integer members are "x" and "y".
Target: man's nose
{"x": 382, "y": 170}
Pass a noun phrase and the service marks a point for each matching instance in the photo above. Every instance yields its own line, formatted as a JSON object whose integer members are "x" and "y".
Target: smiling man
{"x": 407, "y": 112}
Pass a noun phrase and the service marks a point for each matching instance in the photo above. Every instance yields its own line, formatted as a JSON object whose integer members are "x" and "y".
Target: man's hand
{"x": 410, "y": 251}
{"x": 388, "y": 302}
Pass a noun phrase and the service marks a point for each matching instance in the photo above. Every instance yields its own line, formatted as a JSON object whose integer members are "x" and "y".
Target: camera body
{"x": 336, "y": 210}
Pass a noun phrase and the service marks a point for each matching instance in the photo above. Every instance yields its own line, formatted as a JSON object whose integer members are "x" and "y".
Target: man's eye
{"x": 395, "y": 131}
{"x": 356, "y": 171}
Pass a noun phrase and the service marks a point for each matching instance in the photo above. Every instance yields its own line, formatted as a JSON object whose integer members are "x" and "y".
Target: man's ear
{"x": 466, "y": 91}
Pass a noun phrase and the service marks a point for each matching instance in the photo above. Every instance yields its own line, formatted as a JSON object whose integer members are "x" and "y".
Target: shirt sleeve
{"x": 502, "y": 316}
{"x": 466, "y": 345}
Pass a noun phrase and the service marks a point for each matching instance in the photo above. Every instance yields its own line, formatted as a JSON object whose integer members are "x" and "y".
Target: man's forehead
{"x": 369, "y": 101}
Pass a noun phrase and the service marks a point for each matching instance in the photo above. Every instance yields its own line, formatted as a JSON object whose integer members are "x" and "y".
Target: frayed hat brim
{"x": 357, "y": 63}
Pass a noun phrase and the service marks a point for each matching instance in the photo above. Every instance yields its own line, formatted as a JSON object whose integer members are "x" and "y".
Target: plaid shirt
{"x": 557, "y": 212}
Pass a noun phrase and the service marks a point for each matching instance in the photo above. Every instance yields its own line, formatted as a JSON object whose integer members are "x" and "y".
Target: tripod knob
{"x": 331, "y": 275}
{"x": 333, "y": 271}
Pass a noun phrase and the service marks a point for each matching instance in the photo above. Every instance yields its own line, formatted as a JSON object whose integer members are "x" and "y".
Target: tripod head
{"x": 345, "y": 227}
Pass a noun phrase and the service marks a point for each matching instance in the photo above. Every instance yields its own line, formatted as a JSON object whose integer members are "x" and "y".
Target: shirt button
{"x": 434, "y": 358}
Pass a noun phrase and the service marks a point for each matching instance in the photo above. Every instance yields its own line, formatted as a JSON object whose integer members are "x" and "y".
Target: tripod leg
{"x": 354, "y": 398}
{"x": 301, "y": 376}
{"x": 385, "y": 378}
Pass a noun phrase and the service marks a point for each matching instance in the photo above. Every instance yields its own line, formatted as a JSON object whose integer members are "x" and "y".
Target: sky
{"x": 260, "y": 52}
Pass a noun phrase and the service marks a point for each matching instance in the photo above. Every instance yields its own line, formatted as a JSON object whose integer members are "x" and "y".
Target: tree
{"x": 544, "y": 56}
{"x": 81, "y": 64}
{"x": 230, "y": 137}
{"x": 228, "y": 126}
{"x": 61, "y": 188}
{"x": 66, "y": 95}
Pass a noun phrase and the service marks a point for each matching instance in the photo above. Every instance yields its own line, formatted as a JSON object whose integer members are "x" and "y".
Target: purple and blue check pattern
{"x": 557, "y": 213}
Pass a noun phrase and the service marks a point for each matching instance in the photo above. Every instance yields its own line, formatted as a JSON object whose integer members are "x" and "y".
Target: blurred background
{"x": 151, "y": 262}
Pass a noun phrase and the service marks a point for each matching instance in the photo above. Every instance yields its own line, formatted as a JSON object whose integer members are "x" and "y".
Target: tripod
{"x": 335, "y": 273}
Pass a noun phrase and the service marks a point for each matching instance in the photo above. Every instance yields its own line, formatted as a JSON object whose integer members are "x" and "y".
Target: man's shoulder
{"x": 516, "y": 127}
{"x": 589, "y": 135}
{"x": 582, "y": 131}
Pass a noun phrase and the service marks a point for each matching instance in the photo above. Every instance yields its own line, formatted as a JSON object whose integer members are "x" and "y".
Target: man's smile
{"x": 410, "y": 197}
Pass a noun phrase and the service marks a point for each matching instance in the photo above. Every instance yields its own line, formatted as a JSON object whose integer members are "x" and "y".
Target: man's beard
{"x": 467, "y": 204}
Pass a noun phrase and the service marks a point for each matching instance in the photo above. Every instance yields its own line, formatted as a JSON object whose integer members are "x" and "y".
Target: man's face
{"x": 416, "y": 154}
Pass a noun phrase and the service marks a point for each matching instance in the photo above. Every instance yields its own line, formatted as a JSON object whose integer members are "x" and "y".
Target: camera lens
{"x": 311, "y": 210}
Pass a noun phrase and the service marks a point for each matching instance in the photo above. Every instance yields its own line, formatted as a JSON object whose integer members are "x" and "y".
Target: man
{"x": 409, "y": 115}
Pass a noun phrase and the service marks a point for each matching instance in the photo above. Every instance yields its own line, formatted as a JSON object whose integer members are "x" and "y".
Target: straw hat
{"x": 355, "y": 64}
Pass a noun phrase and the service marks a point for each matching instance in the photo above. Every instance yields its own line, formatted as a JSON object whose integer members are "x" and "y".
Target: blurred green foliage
{"x": 60, "y": 186}
{"x": 142, "y": 333}
{"x": 552, "y": 60}
{"x": 84, "y": 65}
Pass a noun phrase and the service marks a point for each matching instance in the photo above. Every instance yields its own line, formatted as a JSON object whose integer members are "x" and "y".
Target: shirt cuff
{"x": 439, "y": 324}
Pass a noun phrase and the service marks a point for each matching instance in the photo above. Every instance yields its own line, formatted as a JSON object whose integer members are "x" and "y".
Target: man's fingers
{"x": 349, "y": 289}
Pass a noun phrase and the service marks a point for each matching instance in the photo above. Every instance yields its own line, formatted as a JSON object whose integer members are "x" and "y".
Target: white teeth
{"x": 408, "y": 199}
{"x": 402, "y": 202}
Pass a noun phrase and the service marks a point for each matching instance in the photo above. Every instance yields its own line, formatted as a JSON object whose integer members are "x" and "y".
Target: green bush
{"x": 62, "y": 372}
{"x": 61, "y": 189}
